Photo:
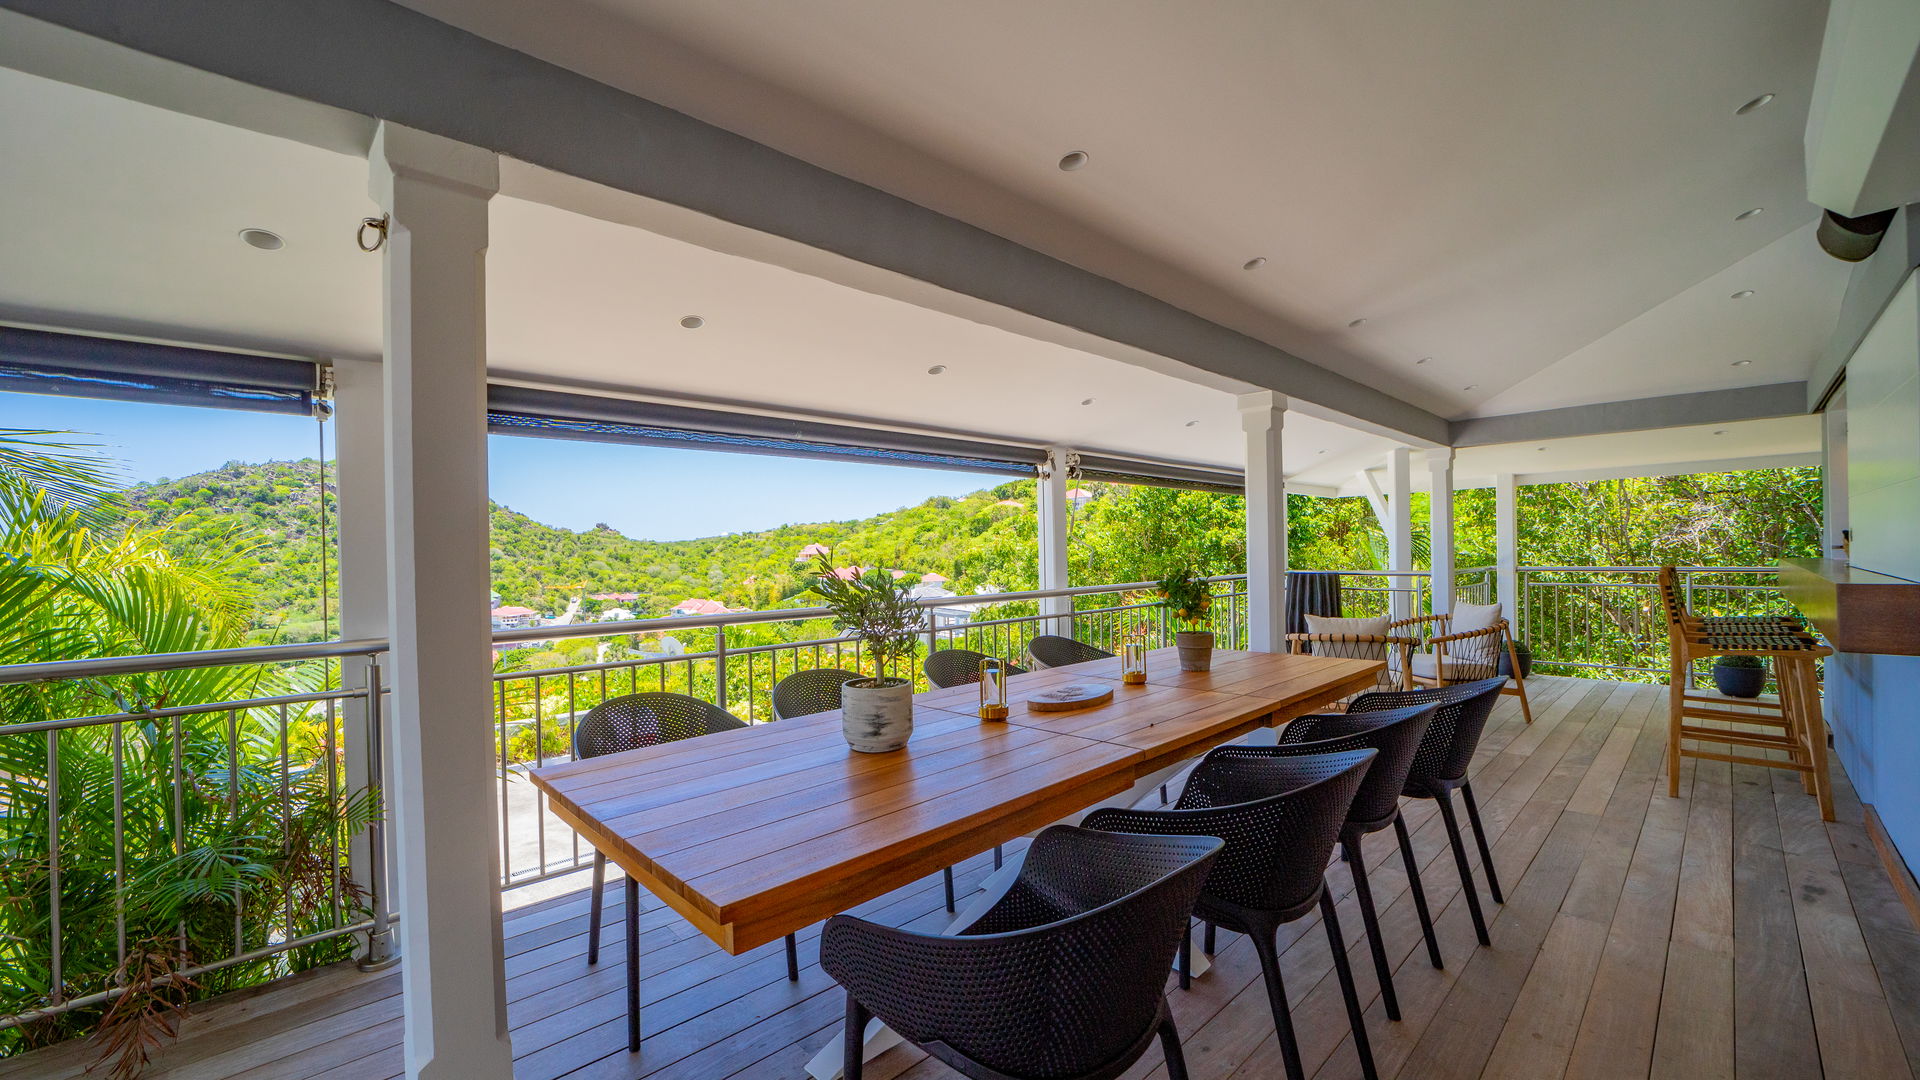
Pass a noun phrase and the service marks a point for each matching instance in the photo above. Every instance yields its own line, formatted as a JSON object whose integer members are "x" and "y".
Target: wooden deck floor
{"x": 1726, "y": 933}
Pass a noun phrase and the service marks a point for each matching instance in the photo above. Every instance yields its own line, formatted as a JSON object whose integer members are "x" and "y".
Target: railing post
{"x": 381, "y": 953}
{"x": 720, "y": 667}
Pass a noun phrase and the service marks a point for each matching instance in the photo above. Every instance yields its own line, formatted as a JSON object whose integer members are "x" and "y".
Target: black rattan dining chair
{"x": 1062, "y": 977}
{"x": 1280, "y": 817}
{"x": 805, "y": 693}
{"x": 1396, "y": 735}
{"x": 1441, "y": 765}
{"x": 1053, "y": 650}
{"x": 629, "y": 723}
{"x": 959, "y": 667}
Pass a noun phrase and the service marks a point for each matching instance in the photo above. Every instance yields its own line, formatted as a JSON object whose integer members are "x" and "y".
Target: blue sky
{"x": 654, "y": 494}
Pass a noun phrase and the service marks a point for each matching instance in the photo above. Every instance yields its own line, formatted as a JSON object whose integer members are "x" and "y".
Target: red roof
{"x": 810, "y": 551}
{"x": 701, "y": 607}
{"x": 932, "y": 579}
{"x": 846, "y": 573}
{"x": 512, "y": 612}
{"x": 613, "y": 596}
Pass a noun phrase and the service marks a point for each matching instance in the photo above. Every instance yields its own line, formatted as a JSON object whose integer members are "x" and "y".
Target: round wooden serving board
{"x": 1071, "y": 696}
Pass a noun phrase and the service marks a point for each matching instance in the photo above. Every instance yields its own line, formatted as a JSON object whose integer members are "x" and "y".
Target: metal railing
{"x": 231, "y": 827}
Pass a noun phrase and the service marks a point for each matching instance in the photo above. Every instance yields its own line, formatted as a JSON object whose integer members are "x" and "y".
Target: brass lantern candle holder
{"x": 1133, "y": 662}
{"x": 993, "y": 689}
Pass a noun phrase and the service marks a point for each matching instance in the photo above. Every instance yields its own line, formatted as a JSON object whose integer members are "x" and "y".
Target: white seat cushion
{"x": 1468, "y": 618}
{"x": 1457, "y": 669}
{"x": 1326, "y": 624}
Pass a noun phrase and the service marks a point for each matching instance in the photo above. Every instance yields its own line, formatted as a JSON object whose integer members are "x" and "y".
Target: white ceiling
{"x": 1501, "y": 185}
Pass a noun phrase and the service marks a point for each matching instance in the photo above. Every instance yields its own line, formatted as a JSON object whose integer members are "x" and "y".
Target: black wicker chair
{"x": 1052, "y": 650}
{"x": 629, "y": 723}
{"x": 804, "y": 693}
{"x": 1062, "y": 977}
{"x": 1396, "y": 735}
{"x": 959, "y": 667}
{"x": 1441, "y": 766}
{"x": 1280, "y": 817}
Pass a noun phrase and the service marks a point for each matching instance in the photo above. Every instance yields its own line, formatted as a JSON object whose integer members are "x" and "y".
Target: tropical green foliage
{"x": 159, "y": 844}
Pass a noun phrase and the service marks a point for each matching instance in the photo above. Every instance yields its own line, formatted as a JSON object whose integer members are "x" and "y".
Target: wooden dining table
{"x": 756, "y": 833}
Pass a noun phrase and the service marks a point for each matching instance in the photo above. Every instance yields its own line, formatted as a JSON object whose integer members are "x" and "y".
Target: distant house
{"x": 846, "y": 573}
{"x": 942, "y": 614}
{"x": 933, "y": 579}
{"x": 1079, "y": 497}
{"x": 614, "y": 597}
{"x": 699, "y": 607}
{"x": 512, "y": 617}
{"x": 810, "y": 551}
{"x": 615, "y": 614}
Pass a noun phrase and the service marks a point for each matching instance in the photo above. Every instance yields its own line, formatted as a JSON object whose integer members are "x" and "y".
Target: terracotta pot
{"x": 1196, "y": 649}
{"x": 877, "y": 718}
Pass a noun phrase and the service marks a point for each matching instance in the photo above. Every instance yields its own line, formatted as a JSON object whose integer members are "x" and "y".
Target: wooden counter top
{"x": 1858, "y": 610}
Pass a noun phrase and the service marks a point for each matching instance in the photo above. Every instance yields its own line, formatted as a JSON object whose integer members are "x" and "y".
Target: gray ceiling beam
{"x": 378, "y": 59}
{"x": 1641, "y": 414}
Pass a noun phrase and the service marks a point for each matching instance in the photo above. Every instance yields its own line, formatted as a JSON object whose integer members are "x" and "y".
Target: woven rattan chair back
{"x": 1052, "y": 650}
{"x": 1452, "y": 735}
{"x": 804, "y": 693}
{"x": 959, "y": 667}
{"x": 1063, "y": 976}
{"x": 1280, "y": 817}
{"x": 637, "y": 720}
{"x": 1396, "y": 734}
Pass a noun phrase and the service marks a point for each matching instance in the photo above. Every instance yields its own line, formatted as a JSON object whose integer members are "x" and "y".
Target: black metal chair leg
{"x": 1361, "y": 1044}
{"x": 1210, "y": 950}
{"x": 793, "y": 959}
{"x": 1480, "y": 838}
{"x": 1186, "y": 958}
{"x": 1467, "y": 887}
{"x": 997, "y": 857}
{"x": 948, "y": 872}
{"x": 1419, "y": 892}
{"x": 1263, "y": 944}
{"x": 1170, "y": 1044}
{"x": 1163, "y": 795}
{"x": 595, "y": 905}
{"x": 633, "y": 965}
{"x": 1371, "y": 919}
{"x": 854, "y": 1059}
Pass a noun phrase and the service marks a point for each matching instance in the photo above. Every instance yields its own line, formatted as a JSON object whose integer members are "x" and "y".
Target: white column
{"x": 441, "y": 801}
{"x": 1400, "y": 529}
{"x": 1440, "y": 527}
{"x": 1050, "y": 496}
{"x": 360, "y": 474}
{"x": 1833, "y": 477}
{"x": 1506, "y": 543}
{"x": 1262, "y": 417}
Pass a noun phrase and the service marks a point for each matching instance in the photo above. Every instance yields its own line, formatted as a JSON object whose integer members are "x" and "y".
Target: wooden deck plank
{"x": 1726, "y": 933}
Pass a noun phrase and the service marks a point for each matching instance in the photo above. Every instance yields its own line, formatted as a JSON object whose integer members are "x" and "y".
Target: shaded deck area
{"x": 1726, "y": 933}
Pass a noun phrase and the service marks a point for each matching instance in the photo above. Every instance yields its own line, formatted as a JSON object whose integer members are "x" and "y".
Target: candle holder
{"x": 993, "y": 689}
{"x": 1133, "y": 662}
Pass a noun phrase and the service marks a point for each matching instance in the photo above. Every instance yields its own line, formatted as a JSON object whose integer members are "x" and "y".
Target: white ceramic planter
{"x": 877, "y": 719}
{"x": 1196, "y": 649}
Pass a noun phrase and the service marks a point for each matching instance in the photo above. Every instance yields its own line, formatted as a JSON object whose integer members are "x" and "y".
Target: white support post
{"x": 1506, "y": 542}
{"x": 1050, "y": 497}
{"x": 1263, "y": 416}
{"x": 1400, "y": 531}
{"x": 1440, "y": 528}
{"x": 1833, "y": 478}
{"x": 435, "y": 192}
{"x": 360, "y": 476}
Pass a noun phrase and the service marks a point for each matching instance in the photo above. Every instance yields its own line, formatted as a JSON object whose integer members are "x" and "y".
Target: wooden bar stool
{"x": 1793, "y": 652}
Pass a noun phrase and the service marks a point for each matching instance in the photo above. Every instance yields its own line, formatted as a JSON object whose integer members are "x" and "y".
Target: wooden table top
{"x": 755, "y": 833}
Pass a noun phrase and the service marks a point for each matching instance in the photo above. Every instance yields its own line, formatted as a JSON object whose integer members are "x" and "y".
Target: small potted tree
{"x": 1740, "y": 676}
{"x": 1188, "y": 597}
{"x": 877, "y": 712}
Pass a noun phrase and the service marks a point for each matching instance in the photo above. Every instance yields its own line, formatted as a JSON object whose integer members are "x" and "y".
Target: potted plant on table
{"x": 876, "y": 712}
{"x": 1740, "y": 676}
{"x": 1189, "y": 597}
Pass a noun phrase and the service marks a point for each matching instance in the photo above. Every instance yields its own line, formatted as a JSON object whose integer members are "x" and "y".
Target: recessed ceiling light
{"x": 1254, "y": 263}
{"x": 1073, "y": 160}
{"x": 1743, "y": 294}
{"x": 262, "y": 239}
{"x": 937, "y": 369}
{"x": 1356, "y": 324}
{"x": 693, "y": 322}
{"x": 1741, "y": 363}
{"x": 1193, "y": 423}
{"x": 1424, "y": 360}
{"x": 1753, "y": 213}
{"x": 1086, "y": 401}
{"x": 1757, "y": 103}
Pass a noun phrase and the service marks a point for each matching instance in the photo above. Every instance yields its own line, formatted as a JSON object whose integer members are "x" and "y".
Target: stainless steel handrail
{"x": 245, "y": 656}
